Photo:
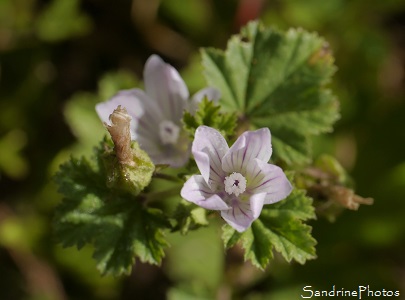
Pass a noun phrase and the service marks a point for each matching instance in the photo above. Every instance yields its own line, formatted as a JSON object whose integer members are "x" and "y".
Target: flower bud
{"x": 121, "y": 135}
{"x": 129, "y": 168}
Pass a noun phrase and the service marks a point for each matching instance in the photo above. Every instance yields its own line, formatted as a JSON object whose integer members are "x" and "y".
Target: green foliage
{"x": 62, "y": 20}
{"x": 331, "y": 166}
{"x": 117, "y": 224}
{"x": 11, "y": 161}
{"x": 280, "y": 227}
{"x": 189, "y": 217}
{"x": 276, "y": 80}
{"x": 179, "y": 11}
{"x": 209, "y": 114}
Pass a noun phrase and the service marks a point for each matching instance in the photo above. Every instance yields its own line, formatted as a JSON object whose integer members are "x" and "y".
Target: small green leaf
{"x": 331, "y": 166}
{"x": 296, "y": 205}
{"x": 289, "y": 236}
{"x": 280, "y": 227}
{"x": 258, "y": 244}
{"x": 189, "y": 217}
{"x": 209, "y": 114}
{"x": 275, "y": 79}
{"x": 230, "y": 236}
{"x": 116, "y": 223}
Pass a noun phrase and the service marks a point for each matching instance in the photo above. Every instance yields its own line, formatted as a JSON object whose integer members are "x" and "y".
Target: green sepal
{"x": 127, "y": 178}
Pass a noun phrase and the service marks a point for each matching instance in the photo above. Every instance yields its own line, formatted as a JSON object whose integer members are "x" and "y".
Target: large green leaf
{"x": 280, "y": 227}
{"x": 275, "y": 79}
{"x": 118, "y": 226}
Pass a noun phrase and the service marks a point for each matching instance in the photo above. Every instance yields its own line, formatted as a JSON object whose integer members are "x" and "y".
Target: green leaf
{"x": 62, "y": 20}
{"x": 117, "y": 224}
{"x": 280, "y": 227}
{"x": 297, "y": 205}
{"x": 209, "y": 114}
{"x": 189, "y": 217}
{"x": 275, "y": 79}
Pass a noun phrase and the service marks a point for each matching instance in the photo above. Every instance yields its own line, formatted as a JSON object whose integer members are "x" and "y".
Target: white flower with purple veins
{"x": 157, "y": 112}
{"x": 237, "y": 181}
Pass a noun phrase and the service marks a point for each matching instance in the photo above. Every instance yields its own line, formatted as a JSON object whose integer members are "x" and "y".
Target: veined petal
{"x": 212, "y": 94}
{"x": 127, "y": 100}
{"x": 271, "y": 181}
{"x": 208, "y": 148}
{"x": 165, "y": 86}
{"x": 174, "y": 155}
{"x": 197, "y": 191}
{"x": 148, "y": 122}
{"x": 250, "y": 145}
{"x": 242, "y": 213}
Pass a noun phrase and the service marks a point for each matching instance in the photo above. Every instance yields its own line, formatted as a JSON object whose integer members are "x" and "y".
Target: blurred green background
{"x": 59, "y": 57}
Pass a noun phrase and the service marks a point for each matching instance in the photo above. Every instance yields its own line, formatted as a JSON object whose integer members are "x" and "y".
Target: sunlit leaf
{"x": 279, "y": 227}
{"x": 275, "y": 79}
{"x": 117, "y": 224}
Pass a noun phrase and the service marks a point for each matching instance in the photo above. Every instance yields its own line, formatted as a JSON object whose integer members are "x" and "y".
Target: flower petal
{"x": 148, "y": 122}
{"x": 127, "y": 100}
{"x": 197, "y": 191}
{"x": 174, "y": 155}
{"x": 243, "y": 213}
{"x": 250, "y": 145}
{"x": 212, "y": 94}
{"x": 272, "y": 181}
{"x": 165, "y": 86}
{"x": 208, "y": 148}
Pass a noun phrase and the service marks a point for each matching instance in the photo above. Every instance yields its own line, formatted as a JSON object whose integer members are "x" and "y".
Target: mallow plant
{"x": 239, "y": 150}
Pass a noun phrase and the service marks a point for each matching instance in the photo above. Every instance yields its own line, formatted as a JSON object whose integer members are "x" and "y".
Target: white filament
{"x": 235, "y": 184}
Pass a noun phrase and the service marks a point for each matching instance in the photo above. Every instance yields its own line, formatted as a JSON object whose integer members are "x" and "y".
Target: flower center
{"x": 169, "y": 132}
{"x": 235, "y": 184}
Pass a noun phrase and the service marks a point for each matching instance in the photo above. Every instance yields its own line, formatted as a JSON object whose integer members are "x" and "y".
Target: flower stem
{"x": 150, "y": 197}
{"x": 167, "y": 177}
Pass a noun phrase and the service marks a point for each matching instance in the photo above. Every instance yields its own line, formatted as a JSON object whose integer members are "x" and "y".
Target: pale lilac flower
{"x": 237, "y": 181}
{"x": 157, "y": 112}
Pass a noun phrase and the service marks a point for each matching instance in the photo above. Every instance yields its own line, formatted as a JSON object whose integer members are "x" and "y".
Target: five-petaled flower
{"x": 157, "y": 112}
{"x": 237, "y": 181}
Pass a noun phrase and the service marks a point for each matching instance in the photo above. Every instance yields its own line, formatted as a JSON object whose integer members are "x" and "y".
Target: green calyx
{"x": 131, "y": 178}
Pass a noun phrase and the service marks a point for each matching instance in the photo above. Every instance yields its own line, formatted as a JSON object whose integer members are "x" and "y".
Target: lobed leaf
{"x": 117, "y": 224}
{"x": 275, "y": 79}
{"x": 279, "y": 227}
